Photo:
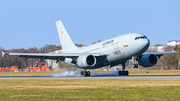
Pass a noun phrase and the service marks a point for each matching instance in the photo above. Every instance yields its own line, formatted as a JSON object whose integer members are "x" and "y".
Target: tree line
{"x": 8, "y": 61}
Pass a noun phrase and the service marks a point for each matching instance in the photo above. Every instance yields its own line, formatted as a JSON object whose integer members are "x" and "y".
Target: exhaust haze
{"x": 77, "y": 74}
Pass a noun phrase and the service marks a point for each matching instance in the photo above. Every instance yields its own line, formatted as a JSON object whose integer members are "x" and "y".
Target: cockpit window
{"x": 141, "y": 37}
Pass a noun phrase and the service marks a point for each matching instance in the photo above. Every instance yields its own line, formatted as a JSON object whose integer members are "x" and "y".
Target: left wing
{"x": 53, "y": 56}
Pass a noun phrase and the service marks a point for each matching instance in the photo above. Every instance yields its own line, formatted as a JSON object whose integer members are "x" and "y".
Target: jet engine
{"x": 148, "y": 60}
{"x": 86, "y": 61}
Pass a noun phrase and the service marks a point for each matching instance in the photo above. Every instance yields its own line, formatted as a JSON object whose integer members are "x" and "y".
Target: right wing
{"x": 159, "y": 54}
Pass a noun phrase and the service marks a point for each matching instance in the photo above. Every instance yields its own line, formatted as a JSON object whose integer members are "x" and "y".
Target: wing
{"x": 53, "y": 56}
{"x": 159, "y": 54}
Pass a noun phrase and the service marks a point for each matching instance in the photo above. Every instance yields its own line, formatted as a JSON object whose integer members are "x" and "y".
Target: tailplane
{"x": 66, "y": 42}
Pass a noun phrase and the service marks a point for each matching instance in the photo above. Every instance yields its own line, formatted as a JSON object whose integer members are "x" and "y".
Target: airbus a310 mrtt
{"x": 110, "y": 52}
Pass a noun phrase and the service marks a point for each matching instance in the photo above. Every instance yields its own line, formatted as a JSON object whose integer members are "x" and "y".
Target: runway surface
{"x": 96, "y": 77}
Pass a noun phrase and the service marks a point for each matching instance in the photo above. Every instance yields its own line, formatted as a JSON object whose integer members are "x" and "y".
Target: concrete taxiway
{"x": 96, "y": 77}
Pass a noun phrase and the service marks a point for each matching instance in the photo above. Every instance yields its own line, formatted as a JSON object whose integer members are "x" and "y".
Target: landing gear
{"x": 85, "y": 73}
{"x": 135, "y": 65}
{"x": 123, "y": 72}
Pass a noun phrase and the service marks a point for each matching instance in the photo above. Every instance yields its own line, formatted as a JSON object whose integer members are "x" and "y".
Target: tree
{"x": 177, "y": 48}
{"x": 169, "y": 61}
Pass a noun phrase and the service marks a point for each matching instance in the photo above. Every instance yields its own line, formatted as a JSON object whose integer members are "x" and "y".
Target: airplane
{"x": 111, "y": 52}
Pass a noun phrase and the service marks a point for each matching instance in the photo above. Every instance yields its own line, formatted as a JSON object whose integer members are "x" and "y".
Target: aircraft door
{"x": 125, "y": 42}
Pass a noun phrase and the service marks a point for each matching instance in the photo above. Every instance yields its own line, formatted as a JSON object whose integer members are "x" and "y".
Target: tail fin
{"x": 66, "y": 42}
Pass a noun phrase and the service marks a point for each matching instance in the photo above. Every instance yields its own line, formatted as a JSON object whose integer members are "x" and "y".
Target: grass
{"x": 131, "y": 72}
{"x": 154, "y": 72}
{"x": 89, "y": 89}
{"x": 94, "y": 90}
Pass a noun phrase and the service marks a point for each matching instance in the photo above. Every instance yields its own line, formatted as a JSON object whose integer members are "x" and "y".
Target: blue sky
{"x": 31, "y": 23}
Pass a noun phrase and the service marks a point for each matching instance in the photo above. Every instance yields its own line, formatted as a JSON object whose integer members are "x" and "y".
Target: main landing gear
{"x": 123, "y": 72}
{"x": 85, "y": 73}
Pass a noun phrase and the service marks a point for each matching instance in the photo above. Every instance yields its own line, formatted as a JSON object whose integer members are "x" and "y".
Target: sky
{"x": 31, "y": 23}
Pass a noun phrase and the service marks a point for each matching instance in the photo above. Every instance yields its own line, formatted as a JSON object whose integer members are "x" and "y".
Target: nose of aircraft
{"x": 143, "y": 45}
{"x": 139, "y": 46}
{"x": 146, "y": 44}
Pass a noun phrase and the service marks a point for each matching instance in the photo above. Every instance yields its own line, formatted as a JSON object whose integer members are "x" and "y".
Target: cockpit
{"x": 141, "y": 37}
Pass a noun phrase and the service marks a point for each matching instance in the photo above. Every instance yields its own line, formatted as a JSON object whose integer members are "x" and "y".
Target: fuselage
{"x": 119, "y": 49}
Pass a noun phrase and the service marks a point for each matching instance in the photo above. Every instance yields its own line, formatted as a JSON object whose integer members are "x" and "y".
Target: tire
{"x": 86, "y": 73}
{"x": 135, "y": 66}
{"x": 126, "y": 73}
{"x": 89, "y": 73}
{"x": 120, "y": 73}
{"x": 123, "y": 73}
{"x": 82, "y": 72}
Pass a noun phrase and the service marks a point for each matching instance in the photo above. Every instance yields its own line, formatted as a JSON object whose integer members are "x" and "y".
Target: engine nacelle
{"x": 148, "y": 60}
{"x": 86, "y": 61}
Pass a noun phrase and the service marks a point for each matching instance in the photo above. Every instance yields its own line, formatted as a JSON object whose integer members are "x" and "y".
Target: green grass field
{"x": 89, "y": 90}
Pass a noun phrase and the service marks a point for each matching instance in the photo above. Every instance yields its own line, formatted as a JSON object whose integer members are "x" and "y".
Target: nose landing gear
{"x": 135, "y": 65}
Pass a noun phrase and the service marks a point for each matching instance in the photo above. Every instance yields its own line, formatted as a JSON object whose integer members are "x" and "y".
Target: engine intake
{"x": 148, "y": 60}
{"x": 86, "y": 61}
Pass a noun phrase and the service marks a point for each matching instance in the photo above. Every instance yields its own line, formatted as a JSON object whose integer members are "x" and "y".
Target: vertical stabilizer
{"x": 66, "y": 42}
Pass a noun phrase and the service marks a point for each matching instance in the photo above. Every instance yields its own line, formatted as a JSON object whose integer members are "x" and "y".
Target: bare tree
{"x": 177, "y": 48}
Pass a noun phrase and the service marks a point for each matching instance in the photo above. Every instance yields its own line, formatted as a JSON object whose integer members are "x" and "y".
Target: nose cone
{"x": 145, "y": 44}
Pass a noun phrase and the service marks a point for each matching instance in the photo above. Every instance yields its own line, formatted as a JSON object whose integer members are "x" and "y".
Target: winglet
{"x": 174, "y": 52}
{"x": 2, "y": 53}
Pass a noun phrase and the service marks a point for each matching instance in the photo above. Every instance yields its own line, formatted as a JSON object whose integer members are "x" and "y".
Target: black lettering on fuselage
{"x": 107, "y": 42}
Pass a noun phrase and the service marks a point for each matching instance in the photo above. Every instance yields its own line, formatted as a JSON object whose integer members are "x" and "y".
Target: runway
{"x": 96, "y": 77}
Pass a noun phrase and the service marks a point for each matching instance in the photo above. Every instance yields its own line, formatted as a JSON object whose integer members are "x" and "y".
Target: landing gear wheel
{"x": 120, "y": 73}
{"x": 126, "y": 73}
{"x": 135, "y": 66}
{"x": 123, "y": 73}
{"x": 82, "y": 72}
{"x": 85, "y": 73}
{"x": 89, "y": 73}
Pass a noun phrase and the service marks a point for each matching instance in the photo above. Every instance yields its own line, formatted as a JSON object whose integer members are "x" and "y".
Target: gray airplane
{"x": 111, "y": 52}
